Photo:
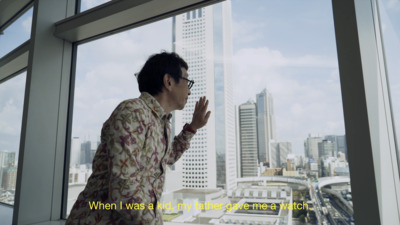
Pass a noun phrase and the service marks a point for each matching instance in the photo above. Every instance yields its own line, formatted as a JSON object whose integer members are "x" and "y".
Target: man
{"x": 130, "y": 162}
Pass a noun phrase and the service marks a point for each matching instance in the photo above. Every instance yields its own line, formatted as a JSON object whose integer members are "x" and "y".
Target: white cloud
{"x": 10, "y": 112}
{"x": 245, "y": 32}
{"x": 394, "y": 5}
{"x": 27, "y": 24}
{"x": 260, "y": 68}
{"x": 266, "y": 57}
{"x": 11, "y": 108}
{"x": 105, "y": 73}
{"x": 302, "y": 103}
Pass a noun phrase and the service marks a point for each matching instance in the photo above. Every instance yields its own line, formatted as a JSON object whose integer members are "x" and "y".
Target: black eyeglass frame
{"x": 190, "y": 82}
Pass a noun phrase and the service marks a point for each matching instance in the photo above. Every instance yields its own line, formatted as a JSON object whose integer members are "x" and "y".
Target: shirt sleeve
{"x": 127, "y": 141}
{"x": 179, "y": 145}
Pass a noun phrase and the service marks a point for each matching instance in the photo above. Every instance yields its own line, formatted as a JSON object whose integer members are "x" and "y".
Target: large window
{"x": 11, "y": 105}
{"x": 12, "y": 89}
{"x": 101, "y": 83}
{"x": 270, "y": 71}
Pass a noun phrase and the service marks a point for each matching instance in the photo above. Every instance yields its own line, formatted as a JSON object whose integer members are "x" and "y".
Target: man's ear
{"x": 167, "y": 81}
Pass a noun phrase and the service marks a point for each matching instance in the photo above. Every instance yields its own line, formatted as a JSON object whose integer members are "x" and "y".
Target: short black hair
{"x": 150, "y": 77}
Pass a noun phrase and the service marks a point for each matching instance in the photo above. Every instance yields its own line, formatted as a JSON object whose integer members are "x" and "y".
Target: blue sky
{"x": 286, "y": 46}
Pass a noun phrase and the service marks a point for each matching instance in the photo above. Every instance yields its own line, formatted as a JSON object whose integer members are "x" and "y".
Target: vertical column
{"x": 379, "y": 112}
{"x": 373, "y": 164}
{"x": 41, "y": 159}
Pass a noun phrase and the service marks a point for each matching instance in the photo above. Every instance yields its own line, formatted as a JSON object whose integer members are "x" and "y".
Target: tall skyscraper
{"x": 85, "y": 152}
{"x": 326, "y": 149}
{"x": 248, "y": 139}
{"x": 9, "y": 177}
{"x": 7, "y": 160}
{"x": 265, "y": 124}
{"x": 203, "y": 38}
{"x": 279, "y": 152}
{"x": 340, "y": 140}
{"x": 75, "y": 152}
{"x": 311, "y": 146}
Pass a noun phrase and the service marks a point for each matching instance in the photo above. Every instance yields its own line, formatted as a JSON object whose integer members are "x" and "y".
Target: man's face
{"x": 182, "y": 92}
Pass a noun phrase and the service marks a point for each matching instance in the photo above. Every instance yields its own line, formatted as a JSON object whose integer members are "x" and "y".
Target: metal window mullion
{"x": 40, "y": 162}
{"x": 362, "y": 173}
{"x": 385, "y": 89}
{"x": 118, "y": 16}
{"x": 14, "y": 62}
{"x": 11, "y": 10}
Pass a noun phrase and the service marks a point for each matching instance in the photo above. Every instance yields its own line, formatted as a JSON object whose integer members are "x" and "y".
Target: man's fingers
{"x": 201, "y": 101}
{"x": 207, "y": 115}
{"x": 205, "y": 106}
{"x": 200, "y": 114}
{"x": 202, "y": 104}
{"x": 201, "y": 109}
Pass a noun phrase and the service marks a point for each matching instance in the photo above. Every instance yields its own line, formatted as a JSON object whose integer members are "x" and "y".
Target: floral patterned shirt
{"x": 129, "y": 166}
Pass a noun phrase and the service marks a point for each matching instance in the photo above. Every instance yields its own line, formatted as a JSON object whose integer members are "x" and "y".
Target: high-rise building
{"x": 291, "y": 162}
{"x": 9, "y": 177}
{"x": 265, "y": 124}
{"x": 340, "y": 140}
{"x": 326, "y": 149}
{"x": 85, "y": 152}
{"x": 7, "y": 159}
{"x": 75, "y": 152}
{"x": 237, "y": 136}
{"x": 341, "y": 144}
{"x": 248, "y": 139}
{"x": 203, "y": 38}
{"x": 279, "y": 153}
{"x": 311, "y": 147}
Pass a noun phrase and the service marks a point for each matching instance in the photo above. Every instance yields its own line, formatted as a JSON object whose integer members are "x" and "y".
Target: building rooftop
{"x": 197, "y": 191}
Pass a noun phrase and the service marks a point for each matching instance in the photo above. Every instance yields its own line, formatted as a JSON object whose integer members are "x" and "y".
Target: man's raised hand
{"x": 200, "y": 114}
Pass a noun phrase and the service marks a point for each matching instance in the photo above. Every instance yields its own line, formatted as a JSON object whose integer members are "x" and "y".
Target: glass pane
{"x": 269, "y": 69}
{"x": 101, "y": 84}
{"x": 16, "y": 34}
{"x": 11, "y": 107}
{"x": 88, "y": 4}
{"x": 390, "y": 22}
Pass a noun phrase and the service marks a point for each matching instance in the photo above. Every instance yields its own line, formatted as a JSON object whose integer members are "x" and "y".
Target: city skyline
{"x": 302, "y": 76}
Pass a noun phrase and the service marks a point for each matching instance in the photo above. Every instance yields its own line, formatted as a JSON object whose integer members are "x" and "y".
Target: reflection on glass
{"x": 16, "y": 34}
{"x": 276, "y": 134}
{"x": 11, "y": 106}
{"x": 389, "y": 12}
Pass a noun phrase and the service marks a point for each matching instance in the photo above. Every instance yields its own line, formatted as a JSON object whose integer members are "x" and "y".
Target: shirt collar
{"x": 155, "y": 106}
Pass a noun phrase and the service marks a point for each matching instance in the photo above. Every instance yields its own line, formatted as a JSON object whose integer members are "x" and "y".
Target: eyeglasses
{"x": 190, "y": 82}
